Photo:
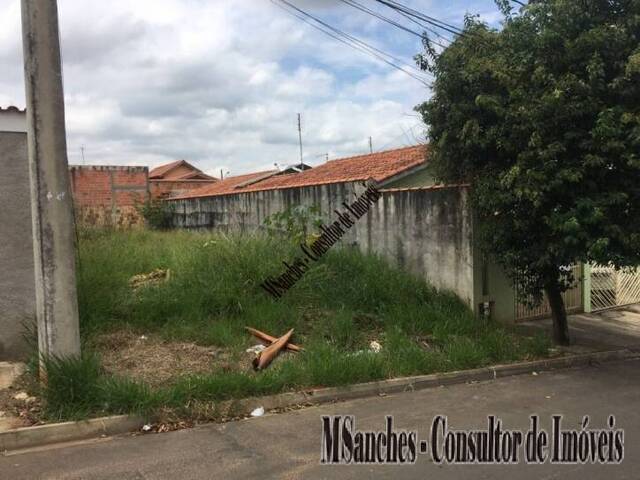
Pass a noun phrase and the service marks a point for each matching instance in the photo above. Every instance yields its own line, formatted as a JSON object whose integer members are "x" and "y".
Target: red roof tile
{"x": 378, "y": 166}
{"x": 228, "y": 185}
{"x": 195, "y": 175}
{"x": 161, "y": 172}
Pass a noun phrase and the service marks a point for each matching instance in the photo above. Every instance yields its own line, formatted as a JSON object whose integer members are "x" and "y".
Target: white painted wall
{"x": 13, "y": 121}
{"x": 427, "y": 232}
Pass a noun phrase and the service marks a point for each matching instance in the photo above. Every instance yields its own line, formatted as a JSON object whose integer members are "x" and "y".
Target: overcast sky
{"x": 219, "y": 82}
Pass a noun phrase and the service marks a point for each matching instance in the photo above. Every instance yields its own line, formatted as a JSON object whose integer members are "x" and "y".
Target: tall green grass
{"x": 343, "y": 302}
{"x": 214, "y": 289}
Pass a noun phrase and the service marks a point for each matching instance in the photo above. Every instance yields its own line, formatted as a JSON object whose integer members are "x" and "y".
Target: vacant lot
{"x": 175, "y": 341}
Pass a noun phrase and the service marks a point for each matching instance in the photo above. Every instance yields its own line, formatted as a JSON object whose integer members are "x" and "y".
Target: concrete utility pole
{"x": 51, "y": 207}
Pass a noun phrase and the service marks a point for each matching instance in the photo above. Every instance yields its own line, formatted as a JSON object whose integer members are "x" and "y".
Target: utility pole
{"x": 300, "y": 137}
{"x": 371, "y": 144}
{"x": 51, "y": 202}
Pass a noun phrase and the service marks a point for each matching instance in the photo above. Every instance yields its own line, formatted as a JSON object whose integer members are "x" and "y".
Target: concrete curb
{"x": 65, "y": 432}
{"x": 420, "y": 382}
{"x": 70, "y": 431}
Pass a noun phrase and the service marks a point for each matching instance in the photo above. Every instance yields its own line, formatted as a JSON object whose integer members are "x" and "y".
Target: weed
{"x": 340, "y": 305}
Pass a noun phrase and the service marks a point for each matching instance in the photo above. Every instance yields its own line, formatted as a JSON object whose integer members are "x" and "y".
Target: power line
{"x": 400, "y": 8}
{"x": 422, "y": 25}
{"x": 373, "y": 13}
{"x": 362, "y": 8}
{"x": 350, "y": 40}
{"x": 425, "y": 18}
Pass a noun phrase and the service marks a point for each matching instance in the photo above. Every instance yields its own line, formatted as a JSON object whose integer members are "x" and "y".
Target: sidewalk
{"x": 605, "y": 330}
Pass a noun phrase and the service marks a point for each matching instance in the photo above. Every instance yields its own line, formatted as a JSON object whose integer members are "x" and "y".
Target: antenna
{"x": 325, "y": 155}
{"x": 371, "y": 144}
{"x": 82, "y": 153}
{"x": 300, "y": 137}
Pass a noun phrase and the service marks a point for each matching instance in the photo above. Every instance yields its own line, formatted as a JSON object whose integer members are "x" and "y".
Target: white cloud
{"x": 218, "y": 82}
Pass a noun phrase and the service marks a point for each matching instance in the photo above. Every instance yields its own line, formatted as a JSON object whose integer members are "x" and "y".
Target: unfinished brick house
{"x": 109, "y": 195}
{"x": 177, "y": 178}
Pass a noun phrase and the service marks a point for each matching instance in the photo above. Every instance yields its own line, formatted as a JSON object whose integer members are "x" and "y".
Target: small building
{"x": 177, "y": 178}
{"x": 17, "y": 284}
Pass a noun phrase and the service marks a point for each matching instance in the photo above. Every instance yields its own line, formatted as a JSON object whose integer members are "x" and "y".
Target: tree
{"x": 542, "y": 118}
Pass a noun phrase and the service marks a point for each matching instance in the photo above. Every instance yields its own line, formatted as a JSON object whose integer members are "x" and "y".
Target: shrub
{"x": 157, "y": 214}
{"x": 295, "y": 222}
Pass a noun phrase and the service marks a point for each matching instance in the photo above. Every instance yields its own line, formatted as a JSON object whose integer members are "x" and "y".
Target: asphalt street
{"x": 289, "y": 445}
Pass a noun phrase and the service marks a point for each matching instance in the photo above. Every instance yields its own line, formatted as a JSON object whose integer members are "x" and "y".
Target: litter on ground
{"x": 268, "y": 339}
{"x": 256, "y": 349}
{"x": 155, "y": 277}
{"x": 265, "y": 357}
{"x": 258, "y": 412}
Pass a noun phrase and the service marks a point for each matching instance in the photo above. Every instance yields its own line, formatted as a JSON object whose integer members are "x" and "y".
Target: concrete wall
{"x": 108, "y": 196}
{"x": 17, "y": 282}
{"x": 427, "y": 231}
{"x": 13, "y": 120}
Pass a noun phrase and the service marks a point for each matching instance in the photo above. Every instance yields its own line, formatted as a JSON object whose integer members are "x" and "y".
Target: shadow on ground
{"x": 605, "y": 330}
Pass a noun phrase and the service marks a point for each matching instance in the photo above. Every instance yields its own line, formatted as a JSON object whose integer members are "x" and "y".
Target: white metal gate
{"x": 572, "y": 300}
{"x": 612, "y": 288}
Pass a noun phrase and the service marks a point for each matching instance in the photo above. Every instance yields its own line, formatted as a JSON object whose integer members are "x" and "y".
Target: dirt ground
{"x": 156, "y": 362}
{"x": 18, "y": 408}
{"x": 145, "y": 358}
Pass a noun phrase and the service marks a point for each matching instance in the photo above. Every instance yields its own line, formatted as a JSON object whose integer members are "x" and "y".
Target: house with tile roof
{"x": 425, "y": 227}
{"x": 382, "y": 167}
{"x": 177, "y": 178}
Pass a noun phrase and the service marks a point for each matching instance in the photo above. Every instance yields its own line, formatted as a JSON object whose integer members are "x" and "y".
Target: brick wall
{"x": 108, "y": 196}
{"x": 161, "y": 189}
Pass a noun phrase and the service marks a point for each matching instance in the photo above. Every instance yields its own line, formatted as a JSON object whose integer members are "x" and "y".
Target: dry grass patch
{"x": 156, "y": 362}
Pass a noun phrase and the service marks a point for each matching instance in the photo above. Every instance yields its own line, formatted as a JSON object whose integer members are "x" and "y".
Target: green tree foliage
{"x": 542, "y": 117}
{"x": 294, "y": 223}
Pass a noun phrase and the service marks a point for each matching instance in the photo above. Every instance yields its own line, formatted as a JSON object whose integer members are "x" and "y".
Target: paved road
{"x": 288, "y": 445}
